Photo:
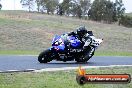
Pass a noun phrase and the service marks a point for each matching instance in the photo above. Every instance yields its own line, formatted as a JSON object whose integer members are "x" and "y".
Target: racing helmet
{"x": 81, "y": 31}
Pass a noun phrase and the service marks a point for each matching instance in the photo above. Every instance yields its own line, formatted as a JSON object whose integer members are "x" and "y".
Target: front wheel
{"x": 45, "y": 56}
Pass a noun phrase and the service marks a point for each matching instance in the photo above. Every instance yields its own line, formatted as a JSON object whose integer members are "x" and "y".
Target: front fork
{"x": 54, "y": 53}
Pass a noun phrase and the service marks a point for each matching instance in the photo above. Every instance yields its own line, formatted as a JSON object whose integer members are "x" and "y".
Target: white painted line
{"x": 12, "y": 70}
{"x": 62, "y": 69}
{"x": 73, "y": 68}
{"x": 30, "y": 69}
{"x": 9, "y": 71}
{"x": 25, "y": 55}
{"x": 120, "y": 65}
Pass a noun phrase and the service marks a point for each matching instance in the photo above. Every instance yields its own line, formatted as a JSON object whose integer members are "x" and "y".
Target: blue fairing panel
{"x": 74, "y": 42}
{"x": 59, "y": 48}
{"x": 55, "y": 38}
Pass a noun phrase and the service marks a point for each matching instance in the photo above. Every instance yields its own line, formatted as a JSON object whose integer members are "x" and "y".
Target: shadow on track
{"x": 71, "y": 63}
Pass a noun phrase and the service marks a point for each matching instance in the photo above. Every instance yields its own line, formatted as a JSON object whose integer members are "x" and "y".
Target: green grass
{"x": 60, "y": 79}
{"x": 110, "y": 53}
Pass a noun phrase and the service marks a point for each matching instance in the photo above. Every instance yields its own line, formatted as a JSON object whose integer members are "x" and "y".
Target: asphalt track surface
{"x": 30, "y": 62}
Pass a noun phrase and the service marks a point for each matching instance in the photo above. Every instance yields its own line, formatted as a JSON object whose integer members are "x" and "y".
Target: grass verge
{"x": 110, "y": 53}
{"x": 60, "y": 79}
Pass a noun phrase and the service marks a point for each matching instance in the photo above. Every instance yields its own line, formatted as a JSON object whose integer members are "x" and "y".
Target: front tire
{"x": 45, "y": 56}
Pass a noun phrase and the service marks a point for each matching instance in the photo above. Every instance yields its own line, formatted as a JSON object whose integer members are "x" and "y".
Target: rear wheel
{"x": 89, "y": 54}
{"x": 85, "y": 56}
{"x": 45, "y": 56}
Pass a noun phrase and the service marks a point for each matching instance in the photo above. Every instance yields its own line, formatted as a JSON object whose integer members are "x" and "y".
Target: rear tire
{"x": 85, "y": 57}
{"x": 45, "y": 56}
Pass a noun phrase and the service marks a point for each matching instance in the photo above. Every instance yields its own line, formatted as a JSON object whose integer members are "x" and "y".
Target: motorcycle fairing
{"x": 58, "y": 43}
{"x": 74, "y": 42}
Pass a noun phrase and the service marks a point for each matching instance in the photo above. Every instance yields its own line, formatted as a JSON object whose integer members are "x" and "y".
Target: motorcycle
{"x": 67, "y": 48}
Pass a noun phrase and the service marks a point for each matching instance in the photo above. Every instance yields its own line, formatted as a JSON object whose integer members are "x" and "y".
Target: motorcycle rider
{"x": 83, "y": 35}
